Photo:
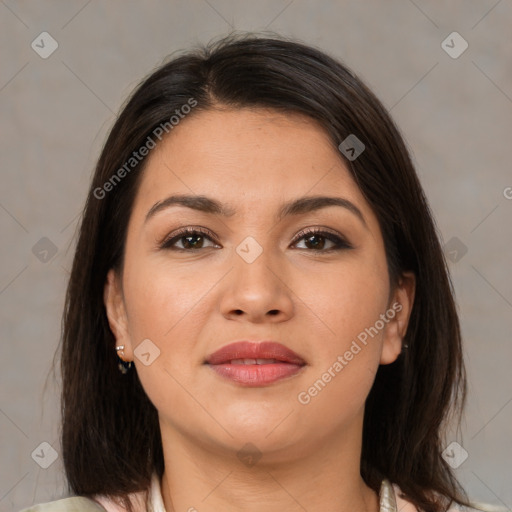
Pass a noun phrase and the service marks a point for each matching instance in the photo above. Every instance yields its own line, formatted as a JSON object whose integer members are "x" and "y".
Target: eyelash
{"x": 339, "y": 242}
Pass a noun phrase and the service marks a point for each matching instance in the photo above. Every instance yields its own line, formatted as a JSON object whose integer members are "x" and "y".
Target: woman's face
{"x": 252, "y": 275}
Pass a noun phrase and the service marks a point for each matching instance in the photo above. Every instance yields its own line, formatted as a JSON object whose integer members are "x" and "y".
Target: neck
{"x": 314, "y": 477}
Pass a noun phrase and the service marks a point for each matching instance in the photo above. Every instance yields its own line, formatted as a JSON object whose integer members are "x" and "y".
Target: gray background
{"x": 456, "y": 115}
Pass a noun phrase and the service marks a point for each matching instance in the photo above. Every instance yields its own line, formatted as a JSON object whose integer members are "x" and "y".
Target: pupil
{"x": 313, "y": 237}
{"x": 192, "y": 237}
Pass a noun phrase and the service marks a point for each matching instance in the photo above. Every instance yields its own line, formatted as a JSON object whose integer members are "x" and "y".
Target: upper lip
{"x": 254, "y": 350}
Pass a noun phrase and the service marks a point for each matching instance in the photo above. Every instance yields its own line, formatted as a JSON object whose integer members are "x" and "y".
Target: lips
{"x": 256, "y": 351}
{"x": 255, "y": 364}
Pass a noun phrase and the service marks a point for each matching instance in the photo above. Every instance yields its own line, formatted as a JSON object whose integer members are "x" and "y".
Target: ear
{"x": 116, "y": 313}
{"x": 399, "y": 312}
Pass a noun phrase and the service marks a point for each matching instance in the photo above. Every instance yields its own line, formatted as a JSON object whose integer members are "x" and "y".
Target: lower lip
{"x": 256, "y": 374}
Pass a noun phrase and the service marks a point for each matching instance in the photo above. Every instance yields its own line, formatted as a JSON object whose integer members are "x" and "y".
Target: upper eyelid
{"x": 314, "y": 229}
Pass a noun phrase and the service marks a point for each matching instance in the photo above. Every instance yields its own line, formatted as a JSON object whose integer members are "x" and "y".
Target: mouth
{"x": 255, "y": 364}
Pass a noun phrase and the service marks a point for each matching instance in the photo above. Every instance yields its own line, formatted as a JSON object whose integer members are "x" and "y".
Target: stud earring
{"x": 123, "y": 366}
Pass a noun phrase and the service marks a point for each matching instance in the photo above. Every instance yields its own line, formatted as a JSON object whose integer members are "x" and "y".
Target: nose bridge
{"x": 256, "y": 284}
{"x": 254, "y": 265}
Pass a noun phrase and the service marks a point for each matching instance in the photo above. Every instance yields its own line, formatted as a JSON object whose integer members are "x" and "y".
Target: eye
{"x": 316, "y": 240}
{"x": 192, "y": 239}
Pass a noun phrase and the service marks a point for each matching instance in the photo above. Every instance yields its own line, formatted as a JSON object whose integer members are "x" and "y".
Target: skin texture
{"x": 189, "y": 304}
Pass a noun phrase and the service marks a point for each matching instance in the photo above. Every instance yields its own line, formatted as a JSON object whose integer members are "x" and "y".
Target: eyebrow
{"x": 298, "y": 206}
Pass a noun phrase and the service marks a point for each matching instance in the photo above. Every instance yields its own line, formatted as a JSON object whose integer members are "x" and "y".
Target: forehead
{"x": 246, "y": 158}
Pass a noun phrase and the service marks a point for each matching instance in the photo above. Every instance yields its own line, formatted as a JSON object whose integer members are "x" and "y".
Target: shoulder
{"x": 72, "y": 504}
{"x": 403, "y": 505}
{"x": 103, "y": 503}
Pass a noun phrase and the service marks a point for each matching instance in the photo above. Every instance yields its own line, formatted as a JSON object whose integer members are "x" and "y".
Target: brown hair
{"x": 110, "y": 432}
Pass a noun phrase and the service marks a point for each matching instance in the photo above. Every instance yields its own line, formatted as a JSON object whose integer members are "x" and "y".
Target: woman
{"x": 259, "y": 315}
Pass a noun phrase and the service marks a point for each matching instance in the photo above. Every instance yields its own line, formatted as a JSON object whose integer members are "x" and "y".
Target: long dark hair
{"x": 111, "y": 440}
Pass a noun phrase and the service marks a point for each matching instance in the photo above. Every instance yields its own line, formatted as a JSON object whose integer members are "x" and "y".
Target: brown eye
{"x": 317, "y": 240}
{"x": 190, "y": 239}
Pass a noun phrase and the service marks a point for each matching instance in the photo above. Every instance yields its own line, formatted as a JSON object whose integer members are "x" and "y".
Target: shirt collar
{"x": 387, "y": 499}
{"x": 156, "y": 501}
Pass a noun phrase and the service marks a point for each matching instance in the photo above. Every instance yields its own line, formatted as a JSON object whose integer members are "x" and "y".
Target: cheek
{"x": 345, "y": 299}
{"x": 162, "y": 300}
{"x": 346, "y": 358}
{"x": 349, "y": 301}
{"x": 164, "y": 308}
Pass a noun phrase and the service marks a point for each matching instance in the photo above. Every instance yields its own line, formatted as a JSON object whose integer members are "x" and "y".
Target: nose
{"x": 258, "y": 291}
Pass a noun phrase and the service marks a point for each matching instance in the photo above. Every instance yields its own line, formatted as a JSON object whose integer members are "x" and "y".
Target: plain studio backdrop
{"x": 441, "y": 68}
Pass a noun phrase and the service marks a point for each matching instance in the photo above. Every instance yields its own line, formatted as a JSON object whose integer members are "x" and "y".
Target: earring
{"x": 123, "y": 366}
